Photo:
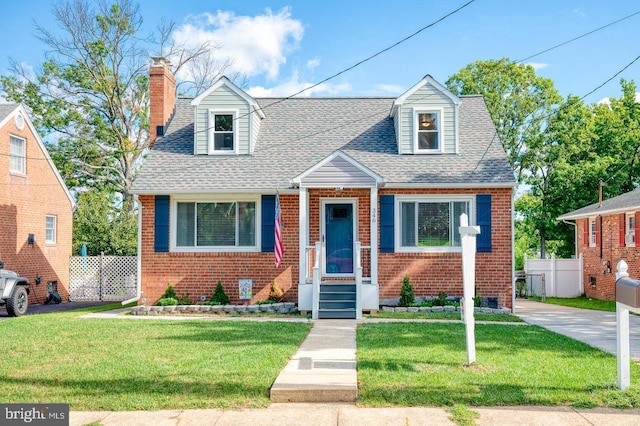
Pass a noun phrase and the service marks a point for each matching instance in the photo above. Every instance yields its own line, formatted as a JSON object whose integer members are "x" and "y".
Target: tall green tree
{"x": 517, "y": 99}
{"x": 617, "y": 126}
{"x": 103, "y": 226}
{"x": 90, "y": 97}
{"x": 560, "y": 165}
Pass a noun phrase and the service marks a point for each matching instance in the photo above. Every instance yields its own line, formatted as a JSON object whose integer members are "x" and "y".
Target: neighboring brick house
{"x": 352, "y": 174}
{"x": 35, "y": 207}
{"x": 605, "y": 234}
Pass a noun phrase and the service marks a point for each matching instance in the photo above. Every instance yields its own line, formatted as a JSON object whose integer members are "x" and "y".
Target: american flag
{"x": 278, "y": 240}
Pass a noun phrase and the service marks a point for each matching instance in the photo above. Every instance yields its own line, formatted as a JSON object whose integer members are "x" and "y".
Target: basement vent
{"x": 592, "y": 280}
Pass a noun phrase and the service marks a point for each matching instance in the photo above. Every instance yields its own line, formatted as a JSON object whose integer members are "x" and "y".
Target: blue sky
{"x": 284, "y": 45}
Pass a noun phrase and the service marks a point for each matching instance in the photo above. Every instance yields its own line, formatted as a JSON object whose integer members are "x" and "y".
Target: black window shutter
{"x": 483, "y": 240}
{"x": 161, "y": 238}
{"x": 387, "y": 224}
{"x": 268, "y": 223}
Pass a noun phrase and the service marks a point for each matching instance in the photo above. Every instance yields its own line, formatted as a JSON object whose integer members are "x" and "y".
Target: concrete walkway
{"x": 350, "y": 415}
{"x": 324, "y": 368}
{"x": 595, "y": 328}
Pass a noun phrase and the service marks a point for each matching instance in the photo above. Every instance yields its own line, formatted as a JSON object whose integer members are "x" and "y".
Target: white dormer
{"x": 426, "y": 119}
{"x": 227, "y": 120}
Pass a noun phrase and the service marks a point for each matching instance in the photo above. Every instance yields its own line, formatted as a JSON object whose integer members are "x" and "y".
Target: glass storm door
{"x": 338, "y": 226}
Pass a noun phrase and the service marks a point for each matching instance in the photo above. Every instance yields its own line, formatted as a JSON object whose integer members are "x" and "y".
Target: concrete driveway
{"x": 595, "y": 328}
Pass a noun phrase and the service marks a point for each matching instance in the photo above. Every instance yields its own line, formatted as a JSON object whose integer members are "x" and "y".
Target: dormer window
{"x": 222, "y": 132}
{"x": 427, "y": 135}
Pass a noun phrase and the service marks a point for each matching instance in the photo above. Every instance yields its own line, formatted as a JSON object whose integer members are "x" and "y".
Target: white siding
{"x": 338, "y": 172}
{"x": 427, "y": 97}
{"x": 255, "y": 129}
{"x": 222, "y": 99}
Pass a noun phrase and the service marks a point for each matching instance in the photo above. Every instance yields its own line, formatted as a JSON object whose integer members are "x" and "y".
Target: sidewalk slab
{"x": 324, "y": 367}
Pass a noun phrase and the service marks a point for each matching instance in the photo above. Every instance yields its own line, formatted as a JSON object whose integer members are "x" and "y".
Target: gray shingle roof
{"x": 6, "y": 109}
{"x": 625, "y": 202}
{"x": 298, "y": 133}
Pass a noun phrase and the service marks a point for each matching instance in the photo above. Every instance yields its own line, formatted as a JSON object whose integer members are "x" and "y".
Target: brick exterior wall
{"x": 198, "y": 273}
{"x": 25, "y": 201}
{"x": 609, "y": 251}
{"x": 430, "y": 273}
{"x": 162, "y": 96}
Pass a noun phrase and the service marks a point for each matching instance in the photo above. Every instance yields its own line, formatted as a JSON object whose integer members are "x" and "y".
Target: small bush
{"x": 276, "y": 294}
{"x": 265, "y": 302}
{"x": 219, "y": 297}
{"x": 167, "y": 301}
{"x": 169, "y": 293}
{"x": 406, "y": 293}
{"x": 184, "y": 299}
{"x": 441, "y": 300}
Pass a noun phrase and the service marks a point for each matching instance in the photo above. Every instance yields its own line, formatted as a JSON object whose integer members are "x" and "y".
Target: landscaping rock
{"x": 388, "y": 309}
{"x": 424, "y": 309}
{"x": 437, "y": 309}
{"x": 401, "y": 309}
{"x": 182, "y": 308}
{"x": 216, "y": 309}
{"x": 205, "y": 308}
{"x": 412, "y": 309}
{"x": 266, "y": 307}
{"x": 253, "y": 308}
{"x": 449, "y": 308}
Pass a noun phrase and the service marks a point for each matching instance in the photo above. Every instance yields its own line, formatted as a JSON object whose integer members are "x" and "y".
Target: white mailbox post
{"x": 468, "y": 241}
{"x": 627, "y": 299}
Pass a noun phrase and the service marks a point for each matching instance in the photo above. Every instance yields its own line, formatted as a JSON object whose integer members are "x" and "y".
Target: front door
{"x": 338, "y": 232}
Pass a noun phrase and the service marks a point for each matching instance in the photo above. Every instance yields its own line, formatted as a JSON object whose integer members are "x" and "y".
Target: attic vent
{"x": 160, "y": 130}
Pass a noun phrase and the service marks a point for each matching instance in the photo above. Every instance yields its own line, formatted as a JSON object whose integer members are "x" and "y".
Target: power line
{"x": 579, "y": 37}
{"x": 378, "y": 53}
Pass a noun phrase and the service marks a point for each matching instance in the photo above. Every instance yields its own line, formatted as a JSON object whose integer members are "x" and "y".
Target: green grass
{"x": 582, "y": 303}
{"x": 417, "y": 364}
{"x": 463, "y": 416}
{"x": 128, "y": 364}
{"x": 446, "y": 316}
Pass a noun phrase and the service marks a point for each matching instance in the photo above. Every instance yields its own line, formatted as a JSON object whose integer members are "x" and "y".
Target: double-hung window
{"x": 216, "y": 224}
{"x": 17, "y": 155}
{"x": 431, "y": 224}
{"x": 50, "y": 229}
{"x": 592, "y": 232}
{"x": 428, "y": 128}
{"x": 630, "y": 234}
{"x": 222, "y": 132}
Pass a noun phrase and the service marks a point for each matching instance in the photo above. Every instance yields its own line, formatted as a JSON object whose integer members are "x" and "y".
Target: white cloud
{"x": 607, "y": 101}
{"x": 538, "y": 65}
{"x": 255, "y": 44}
{"x": 292, "y": 86}
{"x": 579, "y": 12}
{"x": 313, "y": 63}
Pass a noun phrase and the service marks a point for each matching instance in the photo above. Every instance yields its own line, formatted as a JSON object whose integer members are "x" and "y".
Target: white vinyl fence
{"x": 562, "y": 277}
{"x": 106, "y": 278}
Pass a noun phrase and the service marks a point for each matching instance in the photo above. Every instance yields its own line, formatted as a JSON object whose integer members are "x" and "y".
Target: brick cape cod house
{"x": 605, "y": 234}
{"x": 370, "y": 188}
{"x": 36, "y": 208}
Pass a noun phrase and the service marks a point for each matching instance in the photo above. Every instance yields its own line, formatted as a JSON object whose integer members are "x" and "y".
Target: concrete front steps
{"x": 337, "y": 300}
{"x": 324, "y": 368}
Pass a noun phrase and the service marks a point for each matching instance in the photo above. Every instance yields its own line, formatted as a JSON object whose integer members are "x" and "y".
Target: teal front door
{"x": 338, "y": 227}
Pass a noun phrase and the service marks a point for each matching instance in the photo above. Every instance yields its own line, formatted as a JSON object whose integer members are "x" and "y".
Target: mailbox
{"x": 628, "y": 292}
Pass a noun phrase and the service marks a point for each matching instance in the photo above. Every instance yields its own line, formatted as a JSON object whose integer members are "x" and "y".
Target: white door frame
{"x": 323, "y": 231}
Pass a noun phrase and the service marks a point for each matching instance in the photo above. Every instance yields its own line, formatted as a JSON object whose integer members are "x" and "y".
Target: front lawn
{"x": 453, "y": 316}
{"x": 582, "y": 303}
{"x": 128, "y": 364}
{"x": 418, "y": 364}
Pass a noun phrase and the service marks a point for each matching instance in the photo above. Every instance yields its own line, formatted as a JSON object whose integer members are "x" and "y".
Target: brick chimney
{"x": 162, "y": 97}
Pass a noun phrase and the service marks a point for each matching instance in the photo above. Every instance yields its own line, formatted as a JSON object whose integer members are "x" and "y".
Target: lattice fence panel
{"x": 106, "y": 278}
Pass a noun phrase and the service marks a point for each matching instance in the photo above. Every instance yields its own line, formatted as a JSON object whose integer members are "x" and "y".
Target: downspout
{"x": 513, "y": 254}
{"x": 139, "y": 266}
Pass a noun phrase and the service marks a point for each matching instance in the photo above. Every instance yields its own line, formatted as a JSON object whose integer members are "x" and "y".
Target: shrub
{"x": 168, "y": 298}
{"x": 184, "y": 299}
{"x": 169, "y": 293}
{"x": 276, "y": 294}
{"x": 219, "y": 297}
{"x": 167, "y": 301}
{"x": 406, "y": 293}
{"x": 441, "y": 300}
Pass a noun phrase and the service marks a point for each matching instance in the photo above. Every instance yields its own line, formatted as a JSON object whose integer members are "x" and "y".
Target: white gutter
{"x": 139, "y": 273}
